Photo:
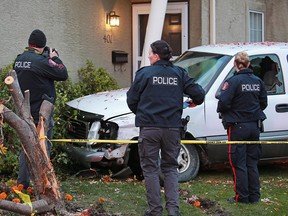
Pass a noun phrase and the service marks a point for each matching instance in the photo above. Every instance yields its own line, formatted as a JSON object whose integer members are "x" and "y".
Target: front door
{"x": 175, "y": 29}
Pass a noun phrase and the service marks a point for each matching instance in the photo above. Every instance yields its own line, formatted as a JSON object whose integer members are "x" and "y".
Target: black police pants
{"x": 243, "y": 160}
{"x": 151, "y": 141}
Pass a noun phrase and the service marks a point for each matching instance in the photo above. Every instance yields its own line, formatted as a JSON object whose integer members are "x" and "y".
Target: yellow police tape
{"x": 198, "y": 142}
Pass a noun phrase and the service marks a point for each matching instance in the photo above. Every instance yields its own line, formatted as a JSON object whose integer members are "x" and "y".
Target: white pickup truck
{"x": 105, "y": 115}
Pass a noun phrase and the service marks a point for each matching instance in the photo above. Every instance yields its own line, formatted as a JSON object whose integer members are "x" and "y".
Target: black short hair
{"x": 162, "y": 48}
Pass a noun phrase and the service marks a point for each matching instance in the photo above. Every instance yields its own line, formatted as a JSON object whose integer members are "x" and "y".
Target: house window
{"x": 256, "y": 28}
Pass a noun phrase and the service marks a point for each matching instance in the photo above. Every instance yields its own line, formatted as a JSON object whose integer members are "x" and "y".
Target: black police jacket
{"x": 156, "y": 95}
{"x": 242, "y": 98}
{"x": 37, "y": 73}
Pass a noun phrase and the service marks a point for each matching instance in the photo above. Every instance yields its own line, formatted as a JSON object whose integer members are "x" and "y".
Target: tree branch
{"x": 39, "y": 206}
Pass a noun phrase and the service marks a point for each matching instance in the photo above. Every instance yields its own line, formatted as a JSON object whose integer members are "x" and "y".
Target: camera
{"x": 46, "y": 51}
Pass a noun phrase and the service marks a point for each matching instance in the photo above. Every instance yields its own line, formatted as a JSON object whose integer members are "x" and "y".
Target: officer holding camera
{"x": 37, "y": 68}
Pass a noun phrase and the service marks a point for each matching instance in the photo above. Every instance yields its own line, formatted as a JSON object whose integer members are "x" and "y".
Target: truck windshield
{"x": 203, "y": 67}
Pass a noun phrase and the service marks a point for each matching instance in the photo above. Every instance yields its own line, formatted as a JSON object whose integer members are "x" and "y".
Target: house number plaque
{"x": 107, "y": 38}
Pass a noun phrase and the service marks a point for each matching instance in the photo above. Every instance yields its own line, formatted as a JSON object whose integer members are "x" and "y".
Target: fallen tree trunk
{"x": 38, "y": 207}
{"x": 33, "y": 140}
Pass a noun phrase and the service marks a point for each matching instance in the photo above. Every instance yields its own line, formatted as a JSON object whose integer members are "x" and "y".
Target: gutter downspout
{"x": 154, "y": 27}
{"x": 212, "y": 21}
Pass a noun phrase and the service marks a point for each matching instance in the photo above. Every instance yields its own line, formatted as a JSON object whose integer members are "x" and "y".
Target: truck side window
{"x": 268, "y": 68}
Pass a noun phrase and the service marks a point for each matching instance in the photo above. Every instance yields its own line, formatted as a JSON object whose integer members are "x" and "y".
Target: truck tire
{"x": 189, "y": 163}
{"x": 188, "y": 160}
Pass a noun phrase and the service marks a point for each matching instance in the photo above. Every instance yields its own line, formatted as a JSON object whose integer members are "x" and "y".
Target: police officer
{"x": 156, "y": 97}
{"x": 241, "y": 103}
{"x": 36, "y": 71}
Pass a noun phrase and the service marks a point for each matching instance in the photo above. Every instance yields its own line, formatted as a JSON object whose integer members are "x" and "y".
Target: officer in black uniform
{"x": 241, "y": 103}
{"x": 36, "y": 71}
{"x": 156, "y": 97}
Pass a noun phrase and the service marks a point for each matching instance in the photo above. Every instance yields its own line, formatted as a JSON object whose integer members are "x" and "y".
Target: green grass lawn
{"x": 211, "y": 188}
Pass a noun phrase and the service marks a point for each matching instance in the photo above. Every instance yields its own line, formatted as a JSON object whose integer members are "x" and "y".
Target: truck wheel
{"x": 189, "y": 163}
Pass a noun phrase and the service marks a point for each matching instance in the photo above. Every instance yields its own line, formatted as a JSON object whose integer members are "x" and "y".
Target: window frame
{"x": 255, "y": 39}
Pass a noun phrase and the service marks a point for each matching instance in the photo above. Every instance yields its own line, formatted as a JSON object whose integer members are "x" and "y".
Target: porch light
{"x": 112, "y": 19}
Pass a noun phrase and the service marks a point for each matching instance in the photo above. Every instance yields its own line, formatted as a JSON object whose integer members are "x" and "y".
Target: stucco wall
{"x": 195, "y": 24}
{"x": 275, "y": 27}
{"x": 276, "y": 20}
{"x": 75, "y": 27}
{"x": 232, "y": 20}
{"x": 233, "y": 28}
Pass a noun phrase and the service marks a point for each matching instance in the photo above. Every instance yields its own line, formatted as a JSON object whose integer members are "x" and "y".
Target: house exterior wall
{"x": 232, "y": 20}
{"x": 75, "y": 27}
{"x": 234, "y": 28}
{"x": 78, "y": 30}
{"x": 275, "y": 19}
{"x": 195, "y": 22}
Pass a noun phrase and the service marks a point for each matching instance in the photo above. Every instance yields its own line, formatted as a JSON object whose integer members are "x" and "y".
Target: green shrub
{"x": 93, "y": 80}
{"x": 9, "y": 162}
{"x": 4, "y": 93}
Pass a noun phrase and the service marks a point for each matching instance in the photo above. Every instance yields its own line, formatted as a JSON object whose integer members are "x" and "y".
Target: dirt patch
{"x": 208, "y": 206}
{"x": 212, "y": 208}
{"x": 97, "y": 210}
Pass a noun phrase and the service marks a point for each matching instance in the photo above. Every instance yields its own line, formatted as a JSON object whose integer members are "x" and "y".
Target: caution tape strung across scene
{"x": 198, "y": 142}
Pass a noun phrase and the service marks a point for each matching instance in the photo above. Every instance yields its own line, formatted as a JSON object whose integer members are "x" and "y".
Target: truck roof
{"x": 235, "y": 47}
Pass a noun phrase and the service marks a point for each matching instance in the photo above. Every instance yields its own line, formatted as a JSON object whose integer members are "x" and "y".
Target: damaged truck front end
{"x": 103, "y": 116}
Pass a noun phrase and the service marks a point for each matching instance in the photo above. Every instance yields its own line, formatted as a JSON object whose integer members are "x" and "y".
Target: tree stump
{"x": 33, "y": 140}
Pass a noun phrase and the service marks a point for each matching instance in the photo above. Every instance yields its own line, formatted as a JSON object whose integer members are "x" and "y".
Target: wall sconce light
{"x": 112, "y": 19}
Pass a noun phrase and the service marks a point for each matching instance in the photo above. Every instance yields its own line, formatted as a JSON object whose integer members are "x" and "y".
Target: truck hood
{"x": 109, "y": 104}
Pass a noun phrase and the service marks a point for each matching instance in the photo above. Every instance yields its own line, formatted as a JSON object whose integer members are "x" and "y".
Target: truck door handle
{"x": 280, "y": 108}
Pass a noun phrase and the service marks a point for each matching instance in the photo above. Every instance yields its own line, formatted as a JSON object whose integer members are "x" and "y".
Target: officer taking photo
{"x": 156, "y": 97}
{"x": 37, "y": 68}
{"x": 241, "y": 103}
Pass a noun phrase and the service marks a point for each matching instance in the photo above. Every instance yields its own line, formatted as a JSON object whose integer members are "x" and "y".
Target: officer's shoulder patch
{"x": 225, "y": 86}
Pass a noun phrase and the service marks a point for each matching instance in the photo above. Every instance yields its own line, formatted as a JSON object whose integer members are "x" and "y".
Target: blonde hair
{"x": 242, "y": 60}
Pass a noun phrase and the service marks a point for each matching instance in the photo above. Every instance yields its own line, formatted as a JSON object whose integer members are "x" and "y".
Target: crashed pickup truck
{"x": 106, "y": 116}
